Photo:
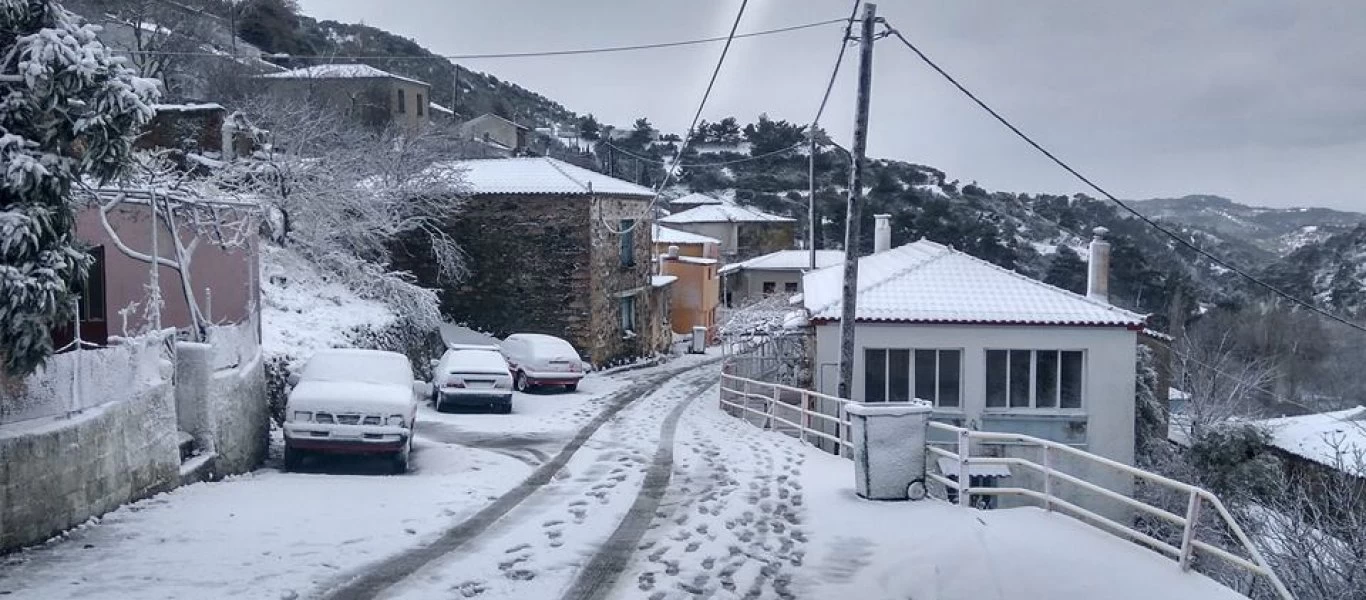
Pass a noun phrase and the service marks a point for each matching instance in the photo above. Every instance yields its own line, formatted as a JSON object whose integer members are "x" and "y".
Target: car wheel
{"x": 569, "y": 387}
{"x": 519, "y": 382}
{"x": 293, "y": 459}
{"x": 400, "y": 460}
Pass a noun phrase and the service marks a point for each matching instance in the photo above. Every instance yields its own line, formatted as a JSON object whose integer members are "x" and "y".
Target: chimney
{"x": 882, "y": 233}
{"x": 673, "y": 252}
{"x": 1098, "y": 267}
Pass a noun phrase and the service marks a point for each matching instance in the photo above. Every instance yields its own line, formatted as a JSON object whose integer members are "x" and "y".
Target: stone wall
{"x": 237, "y": 399}
{"x": 528, "y": 258}
{"x": 758, "y": 239}
{"x": 55, "y": 473}
{"x": 612, "y": 281}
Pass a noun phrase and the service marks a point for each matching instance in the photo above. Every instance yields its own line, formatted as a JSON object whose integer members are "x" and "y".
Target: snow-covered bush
{"x": 68, "y": 108}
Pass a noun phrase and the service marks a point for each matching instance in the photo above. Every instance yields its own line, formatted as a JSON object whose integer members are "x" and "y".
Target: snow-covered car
{"x": 541, "y": 360}
{"x": 352, "y": 401}
{"x": 472, "y": 376}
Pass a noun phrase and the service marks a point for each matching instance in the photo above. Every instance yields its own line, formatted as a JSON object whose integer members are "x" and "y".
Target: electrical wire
{"x": 539, "y": 54}
{"x": 697, "y": 116}
{"x": 1111, "y": 197}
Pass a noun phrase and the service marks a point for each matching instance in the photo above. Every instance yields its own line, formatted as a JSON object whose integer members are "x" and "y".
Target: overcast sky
{"x": 1263, "y": 101}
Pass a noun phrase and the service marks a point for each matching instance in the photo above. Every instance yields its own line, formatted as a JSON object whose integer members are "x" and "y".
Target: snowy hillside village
{"x": 275, "y": 326}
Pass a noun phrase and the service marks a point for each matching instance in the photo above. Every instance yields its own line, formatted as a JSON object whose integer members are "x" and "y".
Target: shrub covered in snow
{"x": 68, "y": 108}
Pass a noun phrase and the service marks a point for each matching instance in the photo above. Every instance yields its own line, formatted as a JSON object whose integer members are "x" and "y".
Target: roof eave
{"x": 1136, "y": 327}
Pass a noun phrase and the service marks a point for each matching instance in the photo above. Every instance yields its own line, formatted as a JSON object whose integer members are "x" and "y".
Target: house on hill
{"x": 693, "y": 201}
{"x": 744, "y": 232}
{"x": 375, "y": 97}
{"x": 989, "y": 348}
{"x": 556, "y": 249}
{"x": 509, "y": 138}
{"x": 772, "y": 274}
{"x": 692, "y": 259}
{"x": 1322, "y": 449}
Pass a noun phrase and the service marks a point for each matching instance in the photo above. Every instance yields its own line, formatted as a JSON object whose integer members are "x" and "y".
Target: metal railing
{"x": 810, "y": 416}
{"x": 1197, "y": 497}
{"x": 822, "y": 420}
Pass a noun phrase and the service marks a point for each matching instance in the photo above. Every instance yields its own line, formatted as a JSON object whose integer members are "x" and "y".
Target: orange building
{"x": 692, "y": 259}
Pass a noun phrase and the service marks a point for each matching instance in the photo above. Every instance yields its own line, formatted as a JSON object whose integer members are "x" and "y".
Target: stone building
{"x": 744, "y": 232}
{"x": 374, "y": 97}
{"x": 556, "y": 249}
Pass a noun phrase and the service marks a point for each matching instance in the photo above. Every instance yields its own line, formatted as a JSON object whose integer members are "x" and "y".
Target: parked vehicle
{"x": 475, "y": 376}
{"x": 541, "y": 360}
{"x": 352, "y": 401}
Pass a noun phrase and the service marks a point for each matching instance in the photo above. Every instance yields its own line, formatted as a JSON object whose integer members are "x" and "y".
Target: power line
{"x": 839, "y": 59}
{"x": 1155, "y": 225}
{"x": 571, "y": 52}
{"x": 697, "y": 115}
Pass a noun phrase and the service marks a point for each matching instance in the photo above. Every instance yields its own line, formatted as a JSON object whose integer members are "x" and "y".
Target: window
{"x": 92, "y": 293}
{"x": 1046, "y": 379}
{"x": 419, "y": 105}
{"x": 628, "y": 242}
{"x": 899, "y": 374}
{"x": 628, "y": 313}
{"x": 790, "y": 287}
{"x": 402, "y": 103}
{"x": 770, "y": 288}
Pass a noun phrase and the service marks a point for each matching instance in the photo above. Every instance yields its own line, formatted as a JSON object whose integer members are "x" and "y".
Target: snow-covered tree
{"x": 68, "y": 109}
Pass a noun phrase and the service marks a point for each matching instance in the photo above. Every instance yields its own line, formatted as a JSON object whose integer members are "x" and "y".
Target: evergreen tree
{"x": 1066, "y": 270}
{"x": 70, "y": 110}
{"x": 589, "y": 128}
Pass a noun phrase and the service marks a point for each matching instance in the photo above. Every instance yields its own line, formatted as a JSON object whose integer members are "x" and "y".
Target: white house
{"x": 991, "y": 349}
{"x": 693, "y": 201}
{"x": 772, "y": 274}
{"x": 744, "y": 232}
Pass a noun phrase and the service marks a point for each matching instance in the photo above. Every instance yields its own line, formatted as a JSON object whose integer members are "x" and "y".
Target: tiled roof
{"x": 538, "y": 175}
{"x": 723, "y": 213}
{"x": 334, "y": 71}
{"x": 1332, "y": 439}
{"x": 788, "y": 260}
{"x": 925, "y": 282}
{"x": 666, "y": 235}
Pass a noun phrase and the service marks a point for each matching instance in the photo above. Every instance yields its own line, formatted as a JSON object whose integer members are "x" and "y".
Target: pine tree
{"x": 1067, "y": 270}
{"x": 68, "y": 109}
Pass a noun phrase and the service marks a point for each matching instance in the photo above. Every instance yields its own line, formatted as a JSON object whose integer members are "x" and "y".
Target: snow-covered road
{"x": 638, "y": 487}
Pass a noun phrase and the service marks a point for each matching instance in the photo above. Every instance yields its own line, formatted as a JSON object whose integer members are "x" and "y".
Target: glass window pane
{"x": 996, "y": 377}
{"x": 924, "y": 374}
{"x": 1019, "y": 378}
{"x": 1071, "y": 379}
{"x": 898, "y": 375}
{"x": 874, "y": 375}
{"x": 1046, "y": 379}
{"x": 949, "y": 375}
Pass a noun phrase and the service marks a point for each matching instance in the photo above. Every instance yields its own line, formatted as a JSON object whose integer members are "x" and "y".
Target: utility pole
{"x": 811, "y": 200}
{"x": 852, "y": 220}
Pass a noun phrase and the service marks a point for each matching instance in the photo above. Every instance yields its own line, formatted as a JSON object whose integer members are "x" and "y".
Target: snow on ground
{"x": 267, "y": 534}
{"x": 302, "y": 312}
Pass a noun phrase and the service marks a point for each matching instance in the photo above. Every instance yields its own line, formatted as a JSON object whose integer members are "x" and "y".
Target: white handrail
{"x": 739, "y": 393}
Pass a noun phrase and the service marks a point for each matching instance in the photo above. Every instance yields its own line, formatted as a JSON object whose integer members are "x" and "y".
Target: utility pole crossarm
{"x": 855, "y": 212}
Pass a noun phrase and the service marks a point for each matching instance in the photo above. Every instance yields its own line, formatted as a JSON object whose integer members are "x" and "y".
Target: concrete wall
{"x": 237, "y": 400}
{"x": 1107, "y": 387}
{"x": 726, "y": 232}
{"x": 497, "y": 129}
{"x": 747, "y": 285}
{"x": 743, "y": 241}
{"x": 55, "y": 473}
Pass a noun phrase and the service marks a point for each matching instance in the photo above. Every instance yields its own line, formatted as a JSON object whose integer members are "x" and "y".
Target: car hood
{"x": 351, "y": 396}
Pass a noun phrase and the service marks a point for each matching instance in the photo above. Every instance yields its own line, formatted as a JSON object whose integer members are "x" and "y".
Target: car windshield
{"x": 364, "y": 367}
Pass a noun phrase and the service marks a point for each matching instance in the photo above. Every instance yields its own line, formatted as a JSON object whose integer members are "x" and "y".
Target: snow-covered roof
{"x": 339, "y": 71}
{"x": 1331, "y": 438}
{"x": 187, "y": 107}
{"x": 723, "y": 213}
{"x": 925, "y": 282}
{"x": 696, "y": 200}
{"x": 666, "y": 235}
{"x": 694, "y": 260}
{"x": 788, "y": 260}
{"x": 662, "y": 280}
{"x": 441, "y": 109}
{"x": 538, "y": 175}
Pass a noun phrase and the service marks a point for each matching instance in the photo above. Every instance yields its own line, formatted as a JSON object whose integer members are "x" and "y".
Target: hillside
{"x": 1329, "y": 273}
{"x": 1275, "y": 230}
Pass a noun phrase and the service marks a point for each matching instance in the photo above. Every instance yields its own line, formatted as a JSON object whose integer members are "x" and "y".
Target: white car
{"x": 472, "y": 376}
{"x": 352, "y": 401}
{"x": 540, "y": 360}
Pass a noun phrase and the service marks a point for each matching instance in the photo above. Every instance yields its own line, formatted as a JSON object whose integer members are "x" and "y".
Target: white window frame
{"x": 1033, "y": 382}
{"x": 910, "y": 375}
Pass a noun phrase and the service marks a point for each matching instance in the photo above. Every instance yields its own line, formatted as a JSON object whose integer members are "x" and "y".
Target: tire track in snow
{"x": 597, "y": 578}
{"x": 391, "y": 570}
